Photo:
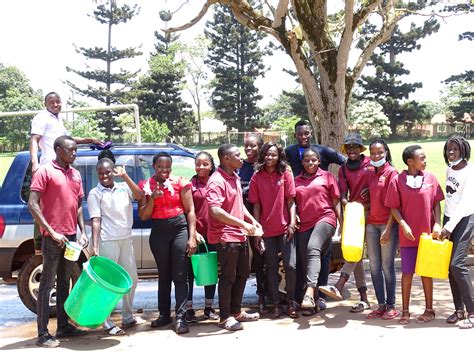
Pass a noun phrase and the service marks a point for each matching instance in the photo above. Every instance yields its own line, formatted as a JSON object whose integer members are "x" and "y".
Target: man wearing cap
{"x": 353, "y": 185}
{"x": 303, "y": 133}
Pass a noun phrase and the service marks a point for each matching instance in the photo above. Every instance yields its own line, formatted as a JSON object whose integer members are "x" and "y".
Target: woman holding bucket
{"x": 204, "y": 166}
{"x": 459, "y": 226}
{"x": 169, "y": 203}
{"x": 272, "y": 192}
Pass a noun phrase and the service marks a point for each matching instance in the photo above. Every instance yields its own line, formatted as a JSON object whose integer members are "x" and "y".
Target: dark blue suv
{"x": 16, "y": 222}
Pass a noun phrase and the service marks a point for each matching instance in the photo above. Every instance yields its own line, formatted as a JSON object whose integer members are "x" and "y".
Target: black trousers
{"x": 234, "y": 262}
{"x": 168, "y": 241}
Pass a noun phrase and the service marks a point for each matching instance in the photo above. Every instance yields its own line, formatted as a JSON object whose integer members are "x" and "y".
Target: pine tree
{"x": 386, "y": 87}
{"x": 236, "y": 61}
{"x": 111, "y": 87}
{"x": 159, "y": 91}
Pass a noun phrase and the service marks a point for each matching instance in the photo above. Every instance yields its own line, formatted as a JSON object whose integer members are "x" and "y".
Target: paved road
{"x": 332, "y": 331}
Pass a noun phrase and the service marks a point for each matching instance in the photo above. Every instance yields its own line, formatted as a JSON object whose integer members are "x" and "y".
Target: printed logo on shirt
{"x": 452, "y": 185}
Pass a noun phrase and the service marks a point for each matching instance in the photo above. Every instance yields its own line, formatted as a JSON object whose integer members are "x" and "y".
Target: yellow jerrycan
{"x": 353, "y": 231}
{"x": 433, "y": 257}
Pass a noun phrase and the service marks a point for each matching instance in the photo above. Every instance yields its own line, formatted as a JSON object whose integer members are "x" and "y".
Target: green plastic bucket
{"x": 100, "y": 287}
{"x": 205, "y": 267}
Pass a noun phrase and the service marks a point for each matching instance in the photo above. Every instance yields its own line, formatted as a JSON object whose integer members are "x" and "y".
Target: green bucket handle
{"x": 205, "y": 246}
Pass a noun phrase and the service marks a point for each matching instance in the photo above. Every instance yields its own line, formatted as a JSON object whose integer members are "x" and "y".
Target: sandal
{"x": 405, "y": 318}
{"x": 426, "y": 317}
{"x": 467, "y": 323}
{"x": 308, "y": 302}
{"x": 309, "y": 311}
{"x": 360, "y": 307}
{"x": 378, "y": 313}
{"x": 455, "y": 317}
{"x": 390, "y": 313}
{"x": 332, "y": 292}
{"x": 116, "y": 331}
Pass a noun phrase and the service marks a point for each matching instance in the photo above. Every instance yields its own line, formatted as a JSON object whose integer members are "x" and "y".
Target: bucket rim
{"x": 93, "y": 275}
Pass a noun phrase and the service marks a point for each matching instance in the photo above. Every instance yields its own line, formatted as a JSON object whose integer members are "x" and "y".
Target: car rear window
{"x": 182, "y": 166}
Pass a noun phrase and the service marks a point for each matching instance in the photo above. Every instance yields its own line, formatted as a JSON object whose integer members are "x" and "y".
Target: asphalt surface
{"x": 332, "y": 331}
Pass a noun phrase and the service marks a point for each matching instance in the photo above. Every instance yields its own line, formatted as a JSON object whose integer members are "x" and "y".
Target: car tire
{"x": 28, "y": 283}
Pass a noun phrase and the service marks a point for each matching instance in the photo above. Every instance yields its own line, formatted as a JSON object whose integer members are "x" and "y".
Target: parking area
{"x": 332, "y": 331}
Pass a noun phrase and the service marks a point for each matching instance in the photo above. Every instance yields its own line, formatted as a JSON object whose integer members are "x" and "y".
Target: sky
{"x": 38, "y": 37}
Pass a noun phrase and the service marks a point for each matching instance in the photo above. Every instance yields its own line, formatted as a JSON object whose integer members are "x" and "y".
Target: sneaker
{"x": 181, "y": 327}
{"x": 210, "y": 313}
{"x": 190, "y": 316}
{"x": 161, "y": 321}
{"x": 308, "y": 302}
{"x": 231, "y": 324}
{"x": 69, "y": 331}
{"x": 47, "y": 341}
{"x": 247, "y": 317}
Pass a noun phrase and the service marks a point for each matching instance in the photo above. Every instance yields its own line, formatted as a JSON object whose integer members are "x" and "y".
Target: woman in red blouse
{"x": 168, "y": 202}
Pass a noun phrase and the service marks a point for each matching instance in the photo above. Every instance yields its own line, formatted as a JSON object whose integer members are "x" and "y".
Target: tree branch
{"x": 280, "y": 13}
{"x": 194, "y": 20}
{"x": 361, "y": 16}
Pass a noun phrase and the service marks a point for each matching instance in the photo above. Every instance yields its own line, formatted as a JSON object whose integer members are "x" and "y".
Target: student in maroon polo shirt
{"x": 227, "y": 229}
{"x": 56, "y": 205}
{"x": 414, "y": 198}
{"x": 317, "y": 199}
{"x": 204, "y": 166}
{"x": 353, "y": 186}
{"x": 381, "y": 234}
{"x": 272, "y": 192}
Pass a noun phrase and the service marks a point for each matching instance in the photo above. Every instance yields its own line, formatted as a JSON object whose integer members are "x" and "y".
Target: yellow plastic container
{"x": 353, "y": 232}
{"x": 433, "y": 257}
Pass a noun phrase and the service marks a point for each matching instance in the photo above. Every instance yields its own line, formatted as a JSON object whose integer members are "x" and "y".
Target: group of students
{"x": 276, "y": 201}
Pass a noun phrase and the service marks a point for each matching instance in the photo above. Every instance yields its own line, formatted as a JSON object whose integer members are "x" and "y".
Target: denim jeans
{"x": 168, "y": 242}
{"x": 274, "y": 245}
{"x": 382, "y": 262}
{"x": 459, "y": 279}
{"x": 55, "y": 268}
{"x": 234, "y": 261}
{"x": 312, "y": 245}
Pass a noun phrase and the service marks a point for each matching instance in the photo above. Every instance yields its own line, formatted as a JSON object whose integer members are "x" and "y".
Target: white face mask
{"x": 452, "y": 164}
{"x": 414, "y": 182}
{"x": 378, "y": 163}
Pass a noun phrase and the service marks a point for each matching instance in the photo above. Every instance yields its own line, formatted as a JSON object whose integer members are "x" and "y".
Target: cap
{"x": 353, "y": 138}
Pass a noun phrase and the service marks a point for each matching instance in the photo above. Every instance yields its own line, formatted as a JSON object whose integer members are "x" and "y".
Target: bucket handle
{"x": 205, "y": 246}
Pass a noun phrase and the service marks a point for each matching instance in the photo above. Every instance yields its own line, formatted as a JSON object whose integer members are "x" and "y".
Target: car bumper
{"x": 6, "y": 258}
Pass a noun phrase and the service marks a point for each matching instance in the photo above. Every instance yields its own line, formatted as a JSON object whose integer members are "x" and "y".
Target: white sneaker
{"x": 231, "y": 324}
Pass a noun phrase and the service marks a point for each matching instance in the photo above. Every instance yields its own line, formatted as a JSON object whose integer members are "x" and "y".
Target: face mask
{"x": 454, "y": 163}
{"x": 414, "y": 182}
{"x": 379, "y": 163}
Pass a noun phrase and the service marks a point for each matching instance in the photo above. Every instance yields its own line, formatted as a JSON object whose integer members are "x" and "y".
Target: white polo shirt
{"x": 49, "y": 127}
{"x": 114, "y": 207}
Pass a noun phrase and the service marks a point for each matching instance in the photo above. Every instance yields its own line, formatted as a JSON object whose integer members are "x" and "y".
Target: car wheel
{"x": 28, "y": 283}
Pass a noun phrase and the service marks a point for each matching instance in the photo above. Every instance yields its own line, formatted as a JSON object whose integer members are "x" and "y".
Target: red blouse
{"x": 169, "y": 204}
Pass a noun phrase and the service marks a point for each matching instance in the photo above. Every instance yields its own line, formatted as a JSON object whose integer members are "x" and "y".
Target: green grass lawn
{"x": 5, "y": 162}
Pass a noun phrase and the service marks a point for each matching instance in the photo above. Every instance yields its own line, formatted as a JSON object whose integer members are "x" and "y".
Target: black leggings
{"x": 168, "y": 242}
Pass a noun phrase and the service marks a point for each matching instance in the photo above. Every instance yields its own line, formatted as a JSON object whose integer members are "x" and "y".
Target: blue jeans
{"x": 55, "y": 268}
{"x": 382, "y": 262}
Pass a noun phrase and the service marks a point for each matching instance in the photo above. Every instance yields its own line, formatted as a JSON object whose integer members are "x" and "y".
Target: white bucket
{"x": 73, "y": 250}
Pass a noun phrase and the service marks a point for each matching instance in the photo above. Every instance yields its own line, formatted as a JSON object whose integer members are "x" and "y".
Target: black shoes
{"x": 47, "y": 341}
{"x": 69, "y": 331}
{"x": 161, "y": 321}
{"x": 181, "y": 326}
{"x": 210, "y": 313}
{"x": 190, "y": 316}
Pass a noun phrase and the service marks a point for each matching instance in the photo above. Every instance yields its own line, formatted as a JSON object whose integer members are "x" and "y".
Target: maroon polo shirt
{"x": 201, "y": 208}
{"x": 415, "y": 205}
{"x": 379, "y": 179}
{"x": 272, "y": 191}
{"x": 60, "y": 190}
{"x": 354, "y": 181}
{"x": 224, "y": 191}
{"x": 314, "y": 199}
